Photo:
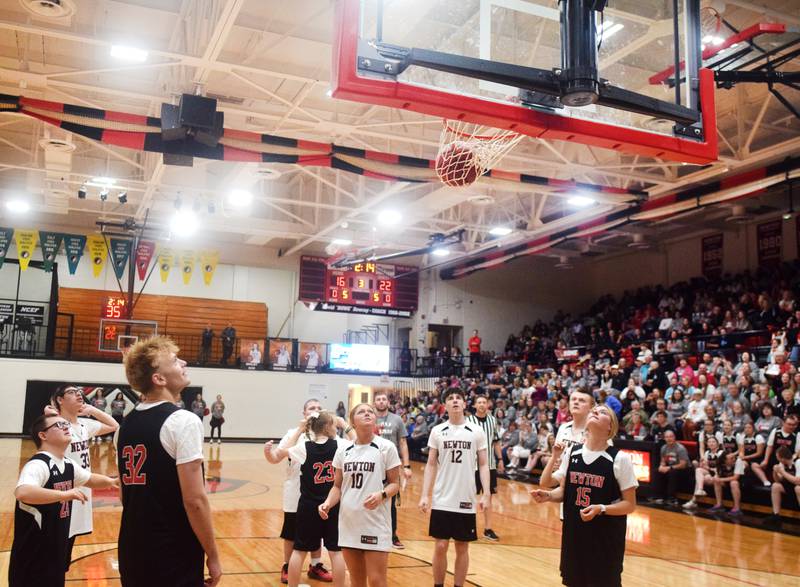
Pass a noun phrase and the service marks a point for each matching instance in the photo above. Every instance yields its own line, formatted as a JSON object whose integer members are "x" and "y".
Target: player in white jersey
{"x": 455, "y": 448}
{"x": 291, "y": 496}
{"x": 366, "y": 477}
{"x": 68, "y": 402}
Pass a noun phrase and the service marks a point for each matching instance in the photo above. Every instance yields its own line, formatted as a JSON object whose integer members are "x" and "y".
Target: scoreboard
{"x": 365, "y": 288}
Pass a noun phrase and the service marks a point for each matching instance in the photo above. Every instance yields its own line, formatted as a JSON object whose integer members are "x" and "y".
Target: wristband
{"x": 406, "y": 466}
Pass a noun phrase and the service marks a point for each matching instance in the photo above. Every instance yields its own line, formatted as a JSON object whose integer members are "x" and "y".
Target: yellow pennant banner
{"x": 209, "y": 260}
{"x": 187, "y": 266}
{"x": 26, "y": 243}
{"x": 98, "y": 251}
{"x": 166, "y": 259}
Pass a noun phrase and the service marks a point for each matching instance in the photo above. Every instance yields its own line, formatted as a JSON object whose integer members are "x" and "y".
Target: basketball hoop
{"x": 467, "y": 151}
{"x": 710, "y": 26}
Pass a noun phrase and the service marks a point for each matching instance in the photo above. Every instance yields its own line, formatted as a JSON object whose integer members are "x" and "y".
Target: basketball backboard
{"x": 505, "y": 63}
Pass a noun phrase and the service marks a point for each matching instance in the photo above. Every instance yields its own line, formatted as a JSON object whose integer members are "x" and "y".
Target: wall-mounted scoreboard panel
{"x": 363, "y": 288}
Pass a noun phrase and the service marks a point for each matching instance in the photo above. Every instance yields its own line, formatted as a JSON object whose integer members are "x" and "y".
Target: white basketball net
{"x": 473, "y": 150}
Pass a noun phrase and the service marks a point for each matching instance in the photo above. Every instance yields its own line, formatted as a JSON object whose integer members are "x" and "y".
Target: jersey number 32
{"x": 134, "y": 458}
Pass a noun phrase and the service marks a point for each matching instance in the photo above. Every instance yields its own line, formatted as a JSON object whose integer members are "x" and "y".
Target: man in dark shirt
{"x": 228, "y": 338}
{"x": 205, "y": 345}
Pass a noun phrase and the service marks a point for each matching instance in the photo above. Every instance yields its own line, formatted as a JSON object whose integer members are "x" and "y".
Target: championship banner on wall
{"x": 712, "y": 256}
{"x": 144, "y": 254}
{"x": 98, "y": 251}
{"x": 51, "y": 243}
{"x": 187, "y": 266}
{"x": 769, "y": 242}
{"x": 6, "y": 234}
{"x": 166, "y": 259}
{"x": 74, "y": 244}
{"x": 120, "y": 253}
{"x": 208, "y": 261}
{"x": 26, "y": 243}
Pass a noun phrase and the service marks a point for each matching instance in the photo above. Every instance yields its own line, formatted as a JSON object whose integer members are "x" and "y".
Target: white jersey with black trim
{"x": 78, "y": 451}
{"x": 457, "y": 447}
{"x": 363, "y": 468}
{"x": 291, "y": 487}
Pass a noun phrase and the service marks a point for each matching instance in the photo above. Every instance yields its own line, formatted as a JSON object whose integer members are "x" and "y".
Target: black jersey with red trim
{"x": 316, "y": 473}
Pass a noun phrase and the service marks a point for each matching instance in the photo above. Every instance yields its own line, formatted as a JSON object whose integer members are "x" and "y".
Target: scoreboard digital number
{"x": 372, "y": 288}
{"x": 361, "y": 284}
{"x": 115, "y": 308}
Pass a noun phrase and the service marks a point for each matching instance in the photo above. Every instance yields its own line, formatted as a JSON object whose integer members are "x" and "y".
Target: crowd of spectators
{"x": 690, "y": 362}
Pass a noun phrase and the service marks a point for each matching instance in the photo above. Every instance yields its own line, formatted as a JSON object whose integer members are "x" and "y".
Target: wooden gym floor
{"x": 663, "y": 548}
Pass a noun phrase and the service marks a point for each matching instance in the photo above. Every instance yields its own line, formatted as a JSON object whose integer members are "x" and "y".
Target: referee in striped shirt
{"x": 488, "y": 424}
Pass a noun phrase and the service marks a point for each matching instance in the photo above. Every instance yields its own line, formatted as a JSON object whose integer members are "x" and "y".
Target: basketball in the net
{"x": 457, "y": 164}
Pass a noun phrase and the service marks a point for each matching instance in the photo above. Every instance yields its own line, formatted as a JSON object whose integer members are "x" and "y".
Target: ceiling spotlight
{"x": 343, "y": 242}
{"x": 130, "y": 54}
{"x": 240, "y": 198}
{"x": 123, "y": 198}
{"x": 82, "y": 192}
{"x": 440, "y": 252}
{"x": 103, "y": 195}
{"x": 389, "y": 217}
{"x": 18, "y": 206}
{"x": 580, "y": 201}
{"x": 329, "y": 93}
{"x": 184, "y": 223}
{"x": 104, "y": 181}
{"x": 500, "y": 231}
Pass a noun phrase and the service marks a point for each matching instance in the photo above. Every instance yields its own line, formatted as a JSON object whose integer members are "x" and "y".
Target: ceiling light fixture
{"x": 104, "y": 181}
{"x": 82, "y": 192}
{"x": 501, "y": 231}
{"x": 240, "y": 198}
{"x": 343, "y": 242}
{"x": 123, "y": 198}
{"x": 580, "y": 201}
{"x": 104, "y": 195}
{"x": 184, "y": 223}
{"x": 440, "y": 252}
{"x": 389, "y": 217}
{"x": 131, "y": 54}
{"x": 18, "y": 206}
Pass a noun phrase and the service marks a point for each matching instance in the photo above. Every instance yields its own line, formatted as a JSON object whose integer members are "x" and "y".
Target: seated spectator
{"x": 751, "y": 446}
{"x": 705, "y": 470}
{"x": 673, "y": 469}
{"x": 787, "y": 403}
{"x": 702, "y": 435}
{"x": 636, "y": 427}
{"x": 526, "y": 444}
{"x": 419, "y": 436}
{"x": 786, "y": 436}
{"x": 738, "y": 417}
{"x": 508, "y": 440}
{"x": 787, "y": 480}
{"x": 673, "y": 385}
{"x": 728, "y": 473}
{"x": 544, "y": 444}
{"x": 659, "y": 426}
{"x": 695, "y": 413}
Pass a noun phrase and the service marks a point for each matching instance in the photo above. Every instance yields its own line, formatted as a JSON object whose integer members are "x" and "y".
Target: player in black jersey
{"x": 165, "y": 509}
{"x": 729, "y": 470}
{"x": 598, "y": 488}
{"x": 47, "y": 486}
{"x": 787, "y": 481}
{"x": 727, "y": 439}
{"x": 315, "y": 458}
{"x": 751, "y": 446}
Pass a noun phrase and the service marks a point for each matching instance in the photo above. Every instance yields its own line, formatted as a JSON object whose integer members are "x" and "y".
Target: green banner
{"x": 6, "y": 234}
{"x": 51, "y": 243}
{"x": 74, "y": 244}
{"x": 120, "y": 253}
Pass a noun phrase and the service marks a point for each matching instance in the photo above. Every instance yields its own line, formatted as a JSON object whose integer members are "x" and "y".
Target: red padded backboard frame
{"x": 346, "y": 84}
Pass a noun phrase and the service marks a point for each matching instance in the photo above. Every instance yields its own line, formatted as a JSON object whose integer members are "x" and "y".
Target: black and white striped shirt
{"x": 489, "y": 427}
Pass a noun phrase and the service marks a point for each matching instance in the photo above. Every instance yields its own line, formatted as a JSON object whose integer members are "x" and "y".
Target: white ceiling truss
{"x": 269, "y": 67}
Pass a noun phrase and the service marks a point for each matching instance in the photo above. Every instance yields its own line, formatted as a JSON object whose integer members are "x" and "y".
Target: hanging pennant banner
{"x": 166, "y": 259}
{"x": 74, "y": 245}
{"x": 6, "y": 234}
{"x": 144, "y": 254}
{"x": 26, "y": 243}
{"x": 51, "y": 243}
{"x": 209, "y": 260}
{"x": 120, "y": 253}
{"x": 98, "y": 251}
{"x": 187, "y": 266}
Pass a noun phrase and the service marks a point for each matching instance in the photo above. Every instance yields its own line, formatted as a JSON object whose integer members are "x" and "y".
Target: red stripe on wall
{"x": 314, "y": 146}
{"x": 234, "y": 154}
{"x": 659, "y": 203}
{"x": 509, "y": 175}
{"x": 242, "y": 135}
{"x": 314, "y": 161}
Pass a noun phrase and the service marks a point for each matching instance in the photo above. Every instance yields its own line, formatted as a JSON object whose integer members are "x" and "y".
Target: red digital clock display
{"x": 115, "y": 308}
{"x": 366, "y": 284}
